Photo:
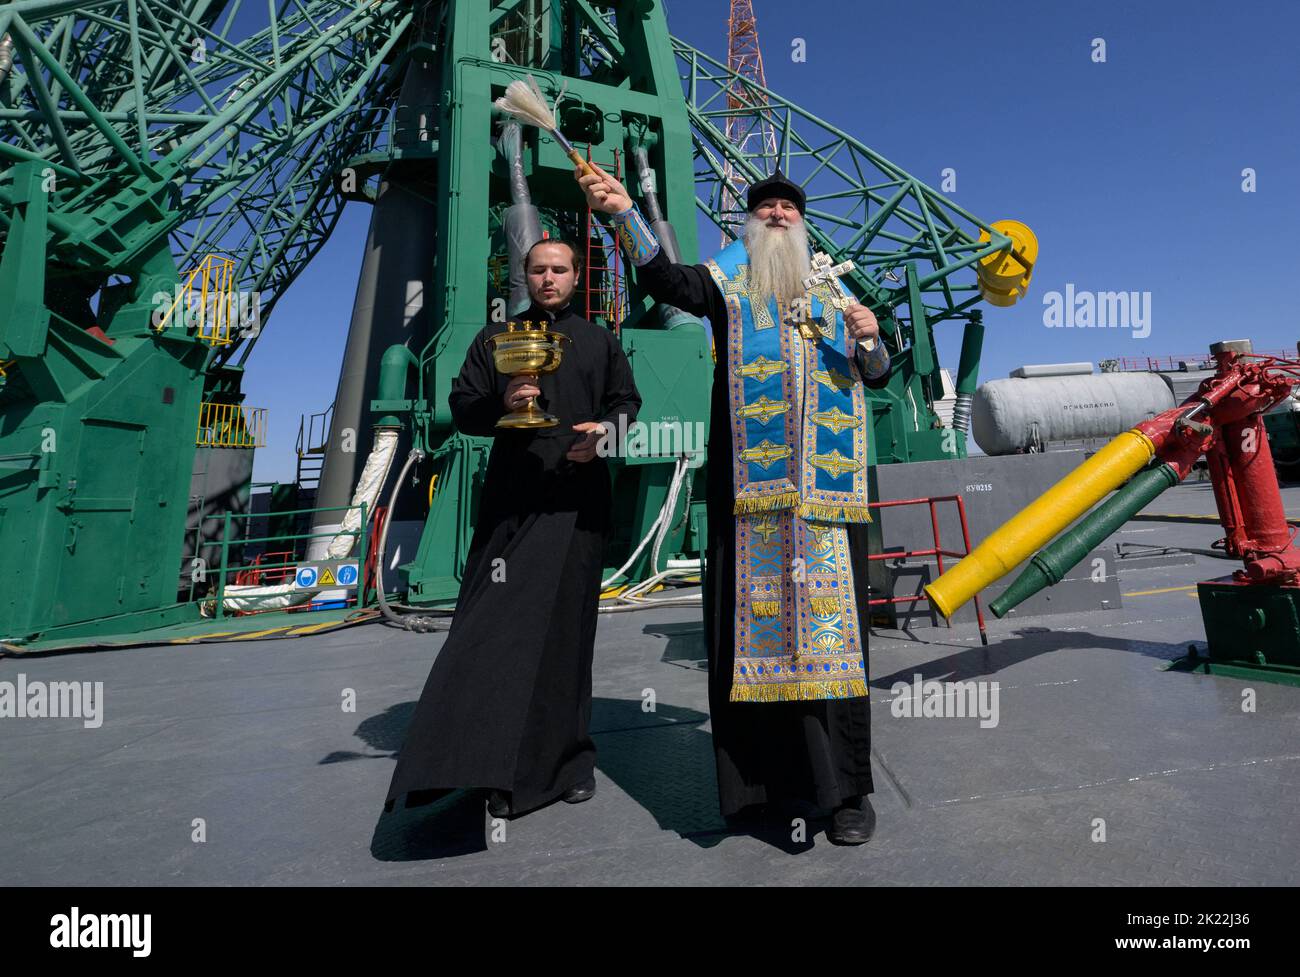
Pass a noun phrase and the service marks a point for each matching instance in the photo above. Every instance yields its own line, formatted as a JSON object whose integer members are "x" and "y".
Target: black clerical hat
{"x": 775, "y": 185}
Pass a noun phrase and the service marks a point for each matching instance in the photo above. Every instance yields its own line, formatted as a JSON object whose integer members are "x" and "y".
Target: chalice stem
{"x": 534, "y": 379}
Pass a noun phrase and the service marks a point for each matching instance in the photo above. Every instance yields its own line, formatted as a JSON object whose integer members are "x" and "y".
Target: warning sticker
{"x": 319, "y": 576}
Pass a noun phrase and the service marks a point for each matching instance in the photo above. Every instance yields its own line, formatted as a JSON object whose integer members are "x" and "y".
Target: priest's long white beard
{"x": 778, "y": 260}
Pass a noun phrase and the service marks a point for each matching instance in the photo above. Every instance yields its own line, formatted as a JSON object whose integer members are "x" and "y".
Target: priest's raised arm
{"x": 690, "y": 287}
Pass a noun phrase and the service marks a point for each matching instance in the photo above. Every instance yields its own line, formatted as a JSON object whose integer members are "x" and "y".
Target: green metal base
{"x": 181, "y": 625}
{"x": 1276, "y": 674}
{"x": 1252, "y": 631}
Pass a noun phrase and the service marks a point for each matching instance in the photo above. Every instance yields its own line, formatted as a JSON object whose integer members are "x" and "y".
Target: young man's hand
{"x": 585, "y": 448}
{"x": 519, "y": 390}
{"x": 604, "y": 193}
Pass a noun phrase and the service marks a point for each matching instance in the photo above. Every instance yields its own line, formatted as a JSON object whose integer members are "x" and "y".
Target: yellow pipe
{"x": 1021, "y": 536}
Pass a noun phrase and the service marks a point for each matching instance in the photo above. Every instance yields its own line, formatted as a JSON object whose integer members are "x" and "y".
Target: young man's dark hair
{"x": 573, "y": 250}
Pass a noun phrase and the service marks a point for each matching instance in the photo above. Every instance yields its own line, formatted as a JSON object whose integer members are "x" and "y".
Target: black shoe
{"x": 498, "y": 805}
{"x": 578, "y": 793}
{"x": 853, "y": 822}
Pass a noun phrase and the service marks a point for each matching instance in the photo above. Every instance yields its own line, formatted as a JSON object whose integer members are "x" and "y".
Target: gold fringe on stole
{"x": 822, "y": 606}
{"x": 799, "y": 691}
{"x": 765, "y": 503}
{"x": 765, "y": 608}
{"x": 833, "y": 513}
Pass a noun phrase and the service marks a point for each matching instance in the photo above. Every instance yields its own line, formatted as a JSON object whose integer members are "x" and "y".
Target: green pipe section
{"x": 923, "y": 357}
{"x": 972, "y": 344}
{"x": 393, "y": 369}
{"x": 1051, "y": 564}
{"x": 968, "y": 376}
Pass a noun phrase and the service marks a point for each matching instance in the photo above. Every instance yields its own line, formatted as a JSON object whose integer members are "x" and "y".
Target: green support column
{"x": 25, "y": 319}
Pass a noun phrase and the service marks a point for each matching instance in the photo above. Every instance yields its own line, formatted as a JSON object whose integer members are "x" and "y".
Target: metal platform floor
{"x": 250, "y": 737}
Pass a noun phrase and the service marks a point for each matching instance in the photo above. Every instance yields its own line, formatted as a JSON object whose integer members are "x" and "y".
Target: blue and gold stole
{"x": 799, "y": 457}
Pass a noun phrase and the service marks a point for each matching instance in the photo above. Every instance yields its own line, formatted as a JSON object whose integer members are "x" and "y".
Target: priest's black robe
{"x": 818, "y": 751}
{"x": 508, "y": 700}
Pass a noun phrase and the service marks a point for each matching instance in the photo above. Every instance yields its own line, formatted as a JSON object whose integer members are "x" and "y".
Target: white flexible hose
{"x": 636, "y": 596}
{"x": 670, "y": 505}
{"x": 665, "y": 513}
{"x": 378, "y": 464}
{"x": 411, "y": 621}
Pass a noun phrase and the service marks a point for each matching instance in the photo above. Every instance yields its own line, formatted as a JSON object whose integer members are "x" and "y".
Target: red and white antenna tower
{"x": 749, "y": 127}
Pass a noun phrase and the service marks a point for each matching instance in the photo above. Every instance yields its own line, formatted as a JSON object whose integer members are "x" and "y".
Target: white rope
{"x": 665, "y": 513}
{"x": 636, "y": 596}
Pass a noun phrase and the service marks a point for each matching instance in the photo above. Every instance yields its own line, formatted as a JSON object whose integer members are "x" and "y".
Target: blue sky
{"x": 1129, "y": 171}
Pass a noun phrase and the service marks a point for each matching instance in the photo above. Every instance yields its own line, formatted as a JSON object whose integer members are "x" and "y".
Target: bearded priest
{"x": 785, "y": 581}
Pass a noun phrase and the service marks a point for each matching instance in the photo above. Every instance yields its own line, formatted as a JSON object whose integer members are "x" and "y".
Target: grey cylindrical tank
{"x": 1013, "y": 414}
{"x": 392, "y": 299}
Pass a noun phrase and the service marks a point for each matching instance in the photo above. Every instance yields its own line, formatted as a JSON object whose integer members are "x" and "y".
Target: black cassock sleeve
{"x": 477, "y": 393}
{"x": 867, "y": 382}
{"x": 621, "y": 398}
{"x": 689, "y": 287}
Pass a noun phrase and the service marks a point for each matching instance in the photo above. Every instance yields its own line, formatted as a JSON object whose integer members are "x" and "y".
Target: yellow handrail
{"x": 208, "y": 297}
{"x": 231, "y": 426}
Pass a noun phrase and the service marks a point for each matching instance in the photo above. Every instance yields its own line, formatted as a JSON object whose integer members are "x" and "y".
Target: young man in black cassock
{"x": 508, "y": 700}
{"x": 777, "y": 739}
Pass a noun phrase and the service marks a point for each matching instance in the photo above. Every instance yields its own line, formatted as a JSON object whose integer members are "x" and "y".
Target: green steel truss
{"x": 861, "y": 206}
{"x": 166, "y": 121}
{"x": 136, "y": 137}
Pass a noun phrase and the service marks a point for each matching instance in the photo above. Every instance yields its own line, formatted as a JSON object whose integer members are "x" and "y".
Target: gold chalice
{"x": 527, "y": 351}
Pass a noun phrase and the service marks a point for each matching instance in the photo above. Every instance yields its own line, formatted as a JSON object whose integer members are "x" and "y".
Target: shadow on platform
{"x": 432, "y": 825}
{"x": 662, "y": 760}
{"x": 684, "y": 646}
{"x": 1022, "y": 645}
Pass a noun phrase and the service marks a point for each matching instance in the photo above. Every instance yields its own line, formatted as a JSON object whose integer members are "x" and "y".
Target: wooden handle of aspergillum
{"x": 577, "y": 158}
